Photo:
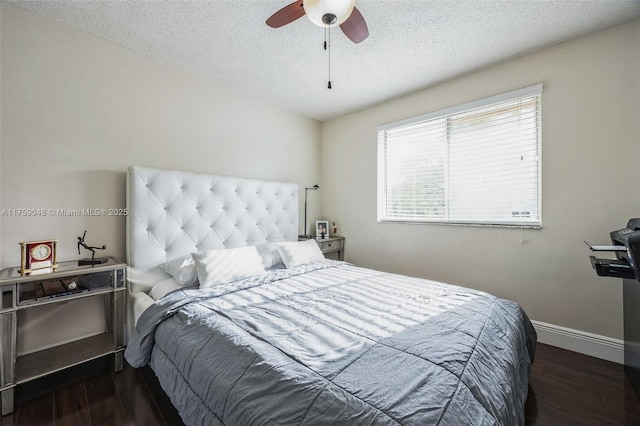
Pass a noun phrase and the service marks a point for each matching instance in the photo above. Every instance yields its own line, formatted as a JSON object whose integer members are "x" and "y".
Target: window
{"x": 477, "y": 163}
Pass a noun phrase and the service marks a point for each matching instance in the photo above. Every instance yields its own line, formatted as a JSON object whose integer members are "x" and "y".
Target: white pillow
{"x": 225, "y": 266}
{"x": 163, "y": 287}
{"x": 298, "y": 253}
{"x": 270, "y": 256}
{"x": 182, "y": 269}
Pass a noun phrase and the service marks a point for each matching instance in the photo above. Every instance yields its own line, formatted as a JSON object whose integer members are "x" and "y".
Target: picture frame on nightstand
{"x": 322, "y": 229}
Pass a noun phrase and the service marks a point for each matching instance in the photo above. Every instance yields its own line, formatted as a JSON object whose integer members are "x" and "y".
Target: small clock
{"x": 38, "y": 256}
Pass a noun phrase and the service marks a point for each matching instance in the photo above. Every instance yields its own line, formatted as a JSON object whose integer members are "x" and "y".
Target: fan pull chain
{"x": 328, "y": 48}
{"x": 325, "y": 37}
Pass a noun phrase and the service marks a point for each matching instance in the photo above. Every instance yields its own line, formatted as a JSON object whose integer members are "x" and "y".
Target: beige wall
{"x": 590, "y": 174}
{"x": 1, "y": 91}
{"x": 77, "y": 110}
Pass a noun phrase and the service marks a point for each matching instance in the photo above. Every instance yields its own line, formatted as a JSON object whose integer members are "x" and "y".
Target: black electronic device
{"x": 634, "y": 224}
{"x": 626, "y": 246}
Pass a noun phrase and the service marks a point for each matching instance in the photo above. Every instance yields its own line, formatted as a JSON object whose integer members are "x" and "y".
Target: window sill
{"x": 470, "y": 224}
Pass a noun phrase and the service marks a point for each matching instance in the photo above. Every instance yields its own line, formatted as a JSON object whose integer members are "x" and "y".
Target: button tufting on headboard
{"x": 174, "y": 213}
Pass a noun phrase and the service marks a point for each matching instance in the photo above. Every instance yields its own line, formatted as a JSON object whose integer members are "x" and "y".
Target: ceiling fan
{"x": 325, "y": 13}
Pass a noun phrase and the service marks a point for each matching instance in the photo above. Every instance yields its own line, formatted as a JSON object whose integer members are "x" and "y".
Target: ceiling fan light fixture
{"x": 328, "y": 12}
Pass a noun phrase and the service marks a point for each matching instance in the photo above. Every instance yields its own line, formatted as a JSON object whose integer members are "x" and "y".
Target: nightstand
{"x": 332, "y": 245}
{"x": 68, "y": 282}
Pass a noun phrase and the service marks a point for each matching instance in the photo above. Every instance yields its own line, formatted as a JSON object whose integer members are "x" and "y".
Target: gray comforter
{"x": 331, "y": 343}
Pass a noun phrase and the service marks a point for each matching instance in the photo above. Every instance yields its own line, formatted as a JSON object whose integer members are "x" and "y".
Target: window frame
{"x": 530, "y": 91}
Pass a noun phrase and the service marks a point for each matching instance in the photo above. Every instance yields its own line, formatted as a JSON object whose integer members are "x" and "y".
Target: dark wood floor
{"x": 566, "y": 389}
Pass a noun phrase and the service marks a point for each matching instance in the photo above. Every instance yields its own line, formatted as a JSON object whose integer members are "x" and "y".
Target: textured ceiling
{"x": 412, "y": 44}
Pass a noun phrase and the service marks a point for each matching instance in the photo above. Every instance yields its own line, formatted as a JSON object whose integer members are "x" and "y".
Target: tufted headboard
{"x": 174, "y": 213}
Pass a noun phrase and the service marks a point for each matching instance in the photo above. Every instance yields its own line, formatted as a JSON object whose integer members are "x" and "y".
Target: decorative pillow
{"x": 225, "y": 266}
{"x": 298, "y": 253}
{"x": 182, "y": 269}
{"x": 163, "y": 287}
{"x": 270, "y": 256}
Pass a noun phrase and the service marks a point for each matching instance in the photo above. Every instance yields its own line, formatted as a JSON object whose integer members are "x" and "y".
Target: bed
{"x": 248, "y": 326}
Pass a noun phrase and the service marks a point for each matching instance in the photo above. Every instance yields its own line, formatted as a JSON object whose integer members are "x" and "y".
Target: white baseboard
{"x": 582, "y": 342}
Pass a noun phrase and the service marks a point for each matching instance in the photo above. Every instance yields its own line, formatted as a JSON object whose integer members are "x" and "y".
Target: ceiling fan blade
{"x": 355, "y": 27}
{"x": 286, "y": 15}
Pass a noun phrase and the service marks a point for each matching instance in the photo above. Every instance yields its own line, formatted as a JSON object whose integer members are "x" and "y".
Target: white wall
{"x": 77, "y": 110}
{"x": 590, "y": 175}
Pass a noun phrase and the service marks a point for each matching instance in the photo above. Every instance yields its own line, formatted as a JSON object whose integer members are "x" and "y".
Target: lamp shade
{"x": 317, "y": 9}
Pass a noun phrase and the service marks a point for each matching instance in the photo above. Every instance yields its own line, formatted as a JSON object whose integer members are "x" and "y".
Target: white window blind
{"x": 477, "y": 163}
